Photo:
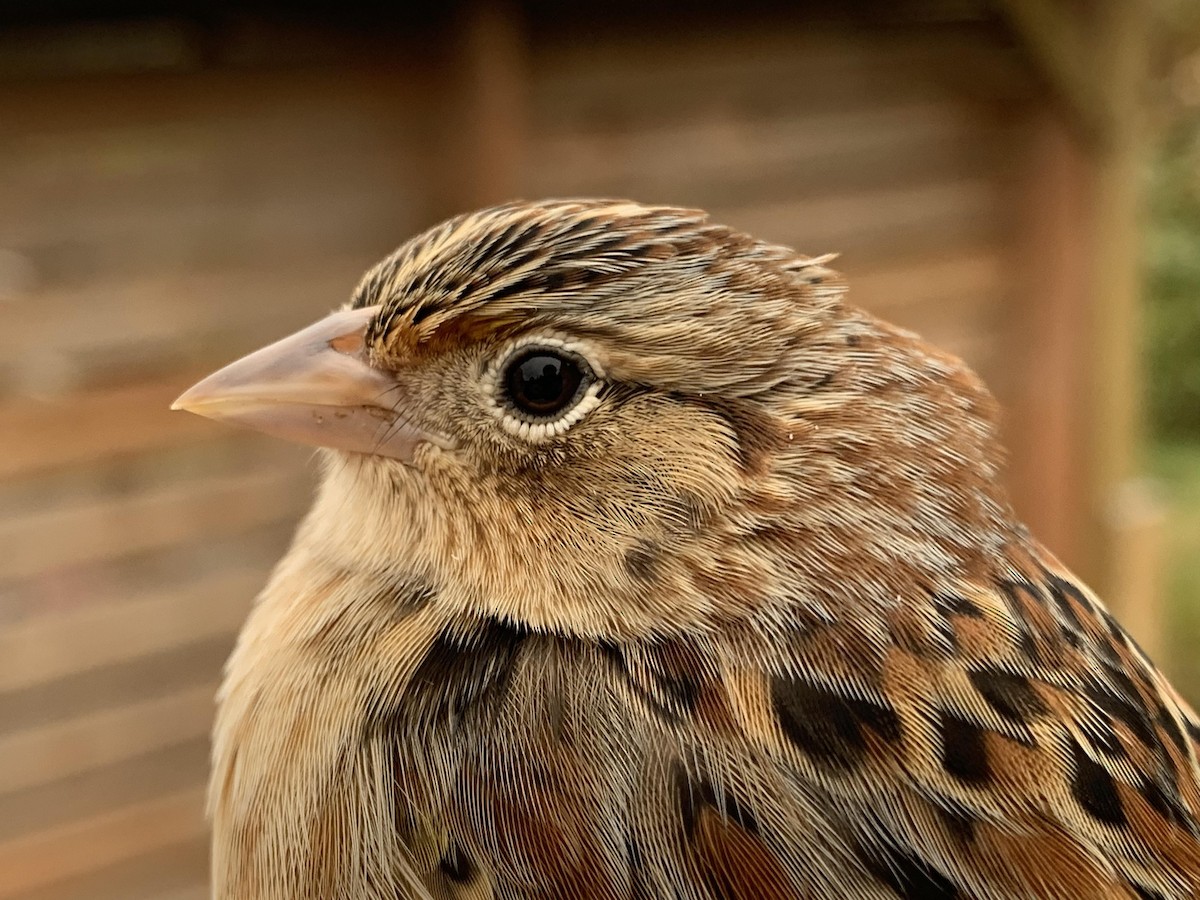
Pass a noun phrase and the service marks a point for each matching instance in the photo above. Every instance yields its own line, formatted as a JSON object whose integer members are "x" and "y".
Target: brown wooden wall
{"x": 154, "y": 225}
{"x": 859, "y": 146}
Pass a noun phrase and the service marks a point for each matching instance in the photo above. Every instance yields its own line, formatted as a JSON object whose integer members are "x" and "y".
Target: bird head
{"x": 605, "y": 419}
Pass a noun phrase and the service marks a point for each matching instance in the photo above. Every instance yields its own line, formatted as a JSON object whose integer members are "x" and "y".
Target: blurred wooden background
{"x": 180, "y": 187}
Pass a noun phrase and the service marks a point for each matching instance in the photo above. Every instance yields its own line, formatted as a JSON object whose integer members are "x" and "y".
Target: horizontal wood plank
{"x": 130, "y": 681}
{"x": 41, "y": 434}
{"x": 64, "y": 644}
{"x": 63, "y": 749}
{"x": 39, "y": 860}
{"x": 158, "y": 873}
{"x": 161, "y": 225}
{"x": 98, "y": 530}
{"x": 877, "y": 225}
{"x": 191, "y": 892}
{"x": 164, "y": 328}
{"x": 938, "y": 285}
{"x": 634, "y": 75}
{"x": 725, "y": 158}
{"x": 104, "y": 789}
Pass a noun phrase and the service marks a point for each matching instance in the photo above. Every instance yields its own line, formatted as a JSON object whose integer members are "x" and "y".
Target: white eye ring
{"x": 535, "y": 430}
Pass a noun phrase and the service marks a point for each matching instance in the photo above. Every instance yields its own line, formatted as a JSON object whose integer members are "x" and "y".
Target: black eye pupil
{"x": 543, "y": 383}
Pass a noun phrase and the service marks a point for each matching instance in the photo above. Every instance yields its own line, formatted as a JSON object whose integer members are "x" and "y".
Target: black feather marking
{"x": 1094, "y": 789}
{"x": 953, "y": 604}
{"x": 557, "y": 279}
{"x": 1062, "y": 592}
{"x": 1124, "y": 687}
{"x": 498, "y": 243}
{"x": 689, "y": 803}
{"x": 1135, "y": 718}
{"x": 1109, "y": 653}
{"x": 1193, "y": 730}
{"x": 958, "y": 821}
{"x": 410, "y": 596}
{"x": 681, "y": 688}
{"x": 694, "y": 794}
{"x": 639, "y": 887}
{"x": 514, "y": 287}
{"x": 911, "y": 877}
{"x": 1163, "y": 796}
{"x": 643, "y": 559}
{"x": 423, "y": 312}
{"x": 827, "y": 726}
{"x": 462, "y": 674}
{"x": 615, "y": 241}
{"x": 515, "y": 260}
{"x": 457, "y": 865}
{"x": 1170, "y": 726}
{"x": 1158, "y": 801}
{"x": 1026, "y": 642}
{"x": 670, "y": 694}
{"x": 1103, "y": 737}
{"x": 1011, "y": 695}
{"x": 1114, "y": 628}
{"x": 964, "y": 753}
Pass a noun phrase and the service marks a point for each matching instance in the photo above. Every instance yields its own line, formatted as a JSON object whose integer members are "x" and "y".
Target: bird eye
{"x": 541, "y": 382}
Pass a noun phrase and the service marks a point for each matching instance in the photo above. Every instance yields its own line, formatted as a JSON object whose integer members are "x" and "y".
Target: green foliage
{"x": 1173, "y": 283}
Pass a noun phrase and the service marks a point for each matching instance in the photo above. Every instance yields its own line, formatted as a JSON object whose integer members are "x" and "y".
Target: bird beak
{"x": 314, "y": 387}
